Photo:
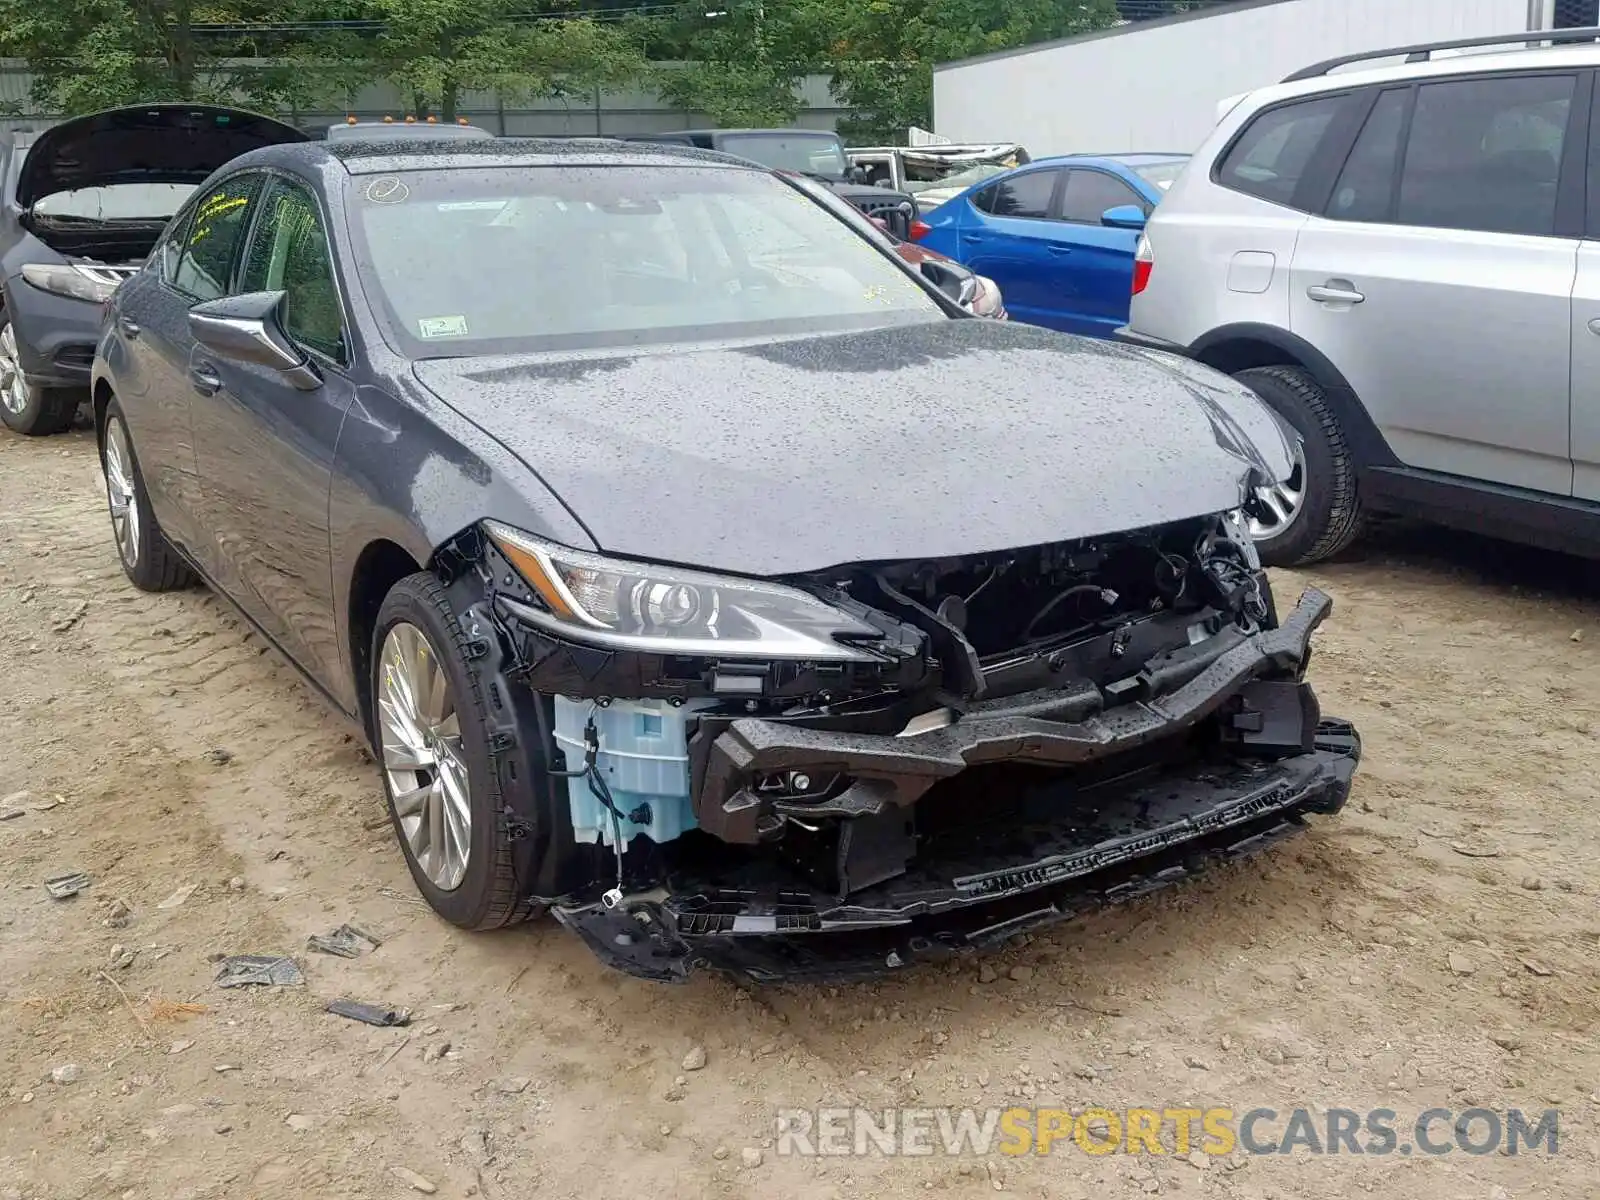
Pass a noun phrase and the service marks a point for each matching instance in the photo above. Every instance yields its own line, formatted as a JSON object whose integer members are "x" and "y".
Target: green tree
{"x": 434, "y": 50}
{"x": 91, "y": 54}
{"x": 740, "y": 61}
{"x": 884, "y": 51}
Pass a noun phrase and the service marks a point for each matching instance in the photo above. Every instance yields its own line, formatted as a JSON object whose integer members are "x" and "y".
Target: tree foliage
{"x": 884, "y": 52}
{"x": 434, "y": 50}
{"x": 91, "y": 54}
{"x": 739, "y": 62}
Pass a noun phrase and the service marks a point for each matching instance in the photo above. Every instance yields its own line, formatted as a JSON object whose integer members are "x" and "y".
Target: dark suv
{"x": 815, "y": 153}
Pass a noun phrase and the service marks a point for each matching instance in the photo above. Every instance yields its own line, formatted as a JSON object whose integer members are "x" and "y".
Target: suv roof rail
{"x": 1423, "y": 52}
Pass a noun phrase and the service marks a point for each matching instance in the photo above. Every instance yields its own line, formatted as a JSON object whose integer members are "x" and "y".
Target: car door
{"x": 1006, "y": 233}
{"x": 1099, "y": 276}
{"x": 265, "y": 446}
{"x": 1586, "y": 332}
{"x": 1439, "y": 277}
{"x": 194, "y": 262}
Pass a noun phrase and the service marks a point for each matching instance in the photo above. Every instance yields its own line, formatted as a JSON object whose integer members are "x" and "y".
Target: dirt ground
{"x": 1434, "y": 946}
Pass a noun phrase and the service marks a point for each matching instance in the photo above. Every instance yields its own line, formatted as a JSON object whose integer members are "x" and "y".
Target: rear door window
{"x": 1269, "y": 158}
{"x": 1365, "y": 188}
{"x": 1485, "y": 154}
{"x": 205, "y": 264}
{"x": 1026, "y": 195}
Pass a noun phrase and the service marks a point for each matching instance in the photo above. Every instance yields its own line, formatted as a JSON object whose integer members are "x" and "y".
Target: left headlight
{"x": 73, "y": 281}
{"x": 670, "y": 610}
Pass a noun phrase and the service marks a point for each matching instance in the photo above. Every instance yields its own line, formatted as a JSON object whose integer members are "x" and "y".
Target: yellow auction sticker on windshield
{"x": 452, "y": 326}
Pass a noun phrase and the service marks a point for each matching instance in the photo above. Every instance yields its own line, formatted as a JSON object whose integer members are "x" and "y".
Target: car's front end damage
{"x": 837, "y": 773}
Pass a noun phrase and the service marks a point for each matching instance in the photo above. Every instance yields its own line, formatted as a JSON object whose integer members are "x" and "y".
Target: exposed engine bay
{"x": 114, "y": 244}
{"x": 1031, "y": 728}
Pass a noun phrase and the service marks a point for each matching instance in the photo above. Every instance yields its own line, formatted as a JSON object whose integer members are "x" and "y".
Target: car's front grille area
{"x": 894, "y": 210}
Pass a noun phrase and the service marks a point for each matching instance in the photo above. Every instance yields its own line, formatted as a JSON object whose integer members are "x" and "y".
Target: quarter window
{"x": 1485, "y": 154}
{"x": 289, "y": 254}
{"x": 1268, "y": 159}
{"x": 205, "y": 265}
{"x": 1088, "y": 194}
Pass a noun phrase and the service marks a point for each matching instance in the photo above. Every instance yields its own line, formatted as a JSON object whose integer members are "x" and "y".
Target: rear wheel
{"x": 27, "y": 409}
{"x": 148, "y": 559}
{"x": 433, "y": 747}
{"x": 1314, "y": 513}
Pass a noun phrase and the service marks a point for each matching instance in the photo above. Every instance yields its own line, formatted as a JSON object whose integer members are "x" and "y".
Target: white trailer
{"x": 1156, "y": 85}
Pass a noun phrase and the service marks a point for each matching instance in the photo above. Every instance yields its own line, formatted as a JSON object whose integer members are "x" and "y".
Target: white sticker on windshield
{"x": 433, "y": 327}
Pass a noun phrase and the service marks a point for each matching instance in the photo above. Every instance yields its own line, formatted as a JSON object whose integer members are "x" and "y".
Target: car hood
{"x": 927, "y": 441}
{"x": 147, "y": 143}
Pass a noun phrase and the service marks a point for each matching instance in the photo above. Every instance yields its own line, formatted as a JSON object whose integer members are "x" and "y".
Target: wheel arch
{"x": 100, "y": 399}
{"x": 378, "y": 567}
{"x": 1234, "y": 348}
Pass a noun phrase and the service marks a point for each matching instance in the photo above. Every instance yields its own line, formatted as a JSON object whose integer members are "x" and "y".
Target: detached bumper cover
{"x": 1076, "y": 841}
{"x": 1018, "y": 878}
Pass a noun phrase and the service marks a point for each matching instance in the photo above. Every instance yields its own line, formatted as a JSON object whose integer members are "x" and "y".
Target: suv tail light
{"x": 920, "y": 230}
{"x": 1144, "y": 262}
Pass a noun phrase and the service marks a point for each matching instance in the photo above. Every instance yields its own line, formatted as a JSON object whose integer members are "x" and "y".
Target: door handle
{"x": 1594, "y": 326}
{"x": 1334, "y": 292}
{"x": 205, "y": 379}
{"x": 129, "y": 329}
{"x": 1060, "y": 251}
{"x": 974, "y": 238}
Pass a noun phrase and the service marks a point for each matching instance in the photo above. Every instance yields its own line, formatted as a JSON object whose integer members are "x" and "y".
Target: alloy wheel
{"x": 13, "y": 388}
{"x": 420, "y": 737}
{"x": 1282, "y": 501}
{"x": 121, "y": 489}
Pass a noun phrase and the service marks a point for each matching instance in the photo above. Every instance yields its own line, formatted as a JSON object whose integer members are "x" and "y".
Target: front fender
{"x": 415, "y": 473}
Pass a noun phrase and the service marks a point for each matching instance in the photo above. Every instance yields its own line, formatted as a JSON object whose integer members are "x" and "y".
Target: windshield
{"x": 508, "y": 259}
{"x": 958, "y": 180}
{"x": 117, "y": 202}
{"x": 1161, "y": 173}
{"x": 816, "y": 155}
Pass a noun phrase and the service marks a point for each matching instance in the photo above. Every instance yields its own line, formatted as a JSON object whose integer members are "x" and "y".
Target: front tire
{"x": 148, "y": 559}
{"x": 26, "y": 409}
{"x": 1316, "y": 512}
{"x": 431, "y": 736}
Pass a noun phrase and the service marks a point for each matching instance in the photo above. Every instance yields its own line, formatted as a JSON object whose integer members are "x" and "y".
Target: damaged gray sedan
{"x": 699, "y": 572}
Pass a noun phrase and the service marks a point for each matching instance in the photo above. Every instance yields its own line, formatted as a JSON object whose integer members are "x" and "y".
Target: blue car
{"x": 1058, "y": 235}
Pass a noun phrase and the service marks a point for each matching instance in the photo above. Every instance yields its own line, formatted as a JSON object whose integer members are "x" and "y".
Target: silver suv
{"x": 1404, "y": 262}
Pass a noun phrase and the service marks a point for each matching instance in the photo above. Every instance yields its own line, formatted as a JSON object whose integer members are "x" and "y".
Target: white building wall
{"x": 1156, "y": 86}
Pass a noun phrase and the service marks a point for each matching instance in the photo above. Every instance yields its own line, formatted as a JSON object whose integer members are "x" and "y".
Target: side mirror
{"x": 956, "y": 282}
{"x": 249, "y": 329}
{"x": 1124, "y": 216}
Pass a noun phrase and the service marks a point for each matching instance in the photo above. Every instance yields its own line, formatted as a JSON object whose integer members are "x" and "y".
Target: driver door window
{"x": 289, "y": 254}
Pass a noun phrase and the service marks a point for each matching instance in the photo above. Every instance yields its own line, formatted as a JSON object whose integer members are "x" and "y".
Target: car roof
{"x": 1136, "y": 159}
{"x": 388, "y": 154}
{"x": 1542, "y": 58}
{"x": 714, "y": 133}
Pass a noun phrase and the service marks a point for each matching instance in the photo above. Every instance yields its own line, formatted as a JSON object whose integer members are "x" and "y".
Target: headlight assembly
{"x": 76, "y": 281}
{"x": 668, "y": 610}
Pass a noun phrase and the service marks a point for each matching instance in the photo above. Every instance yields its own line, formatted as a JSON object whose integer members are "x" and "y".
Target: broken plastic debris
{"x": 178, "y": 897}
{"x": 65, "y": 886}
{"x": 263, "y": 970}
{"x": 346, "y": 941}
{"x": 370, "y": 1014}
